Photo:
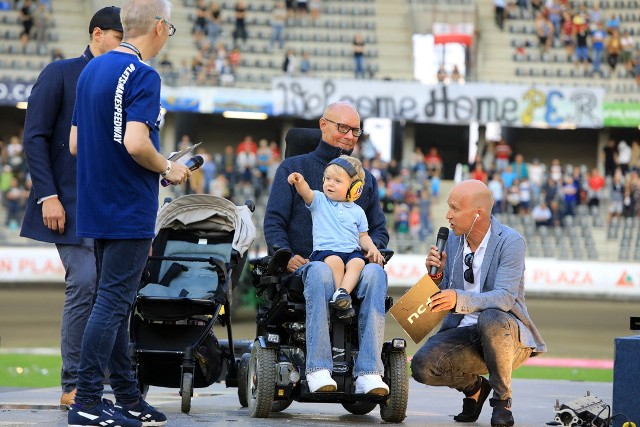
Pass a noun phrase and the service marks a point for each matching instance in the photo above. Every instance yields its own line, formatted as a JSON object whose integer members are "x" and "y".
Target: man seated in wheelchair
{"x": 288, "y": 225}
{"x": 339, "y": 223}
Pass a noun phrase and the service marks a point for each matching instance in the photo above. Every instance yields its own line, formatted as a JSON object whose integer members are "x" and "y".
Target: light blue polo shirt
{"x": 336, "y": 225}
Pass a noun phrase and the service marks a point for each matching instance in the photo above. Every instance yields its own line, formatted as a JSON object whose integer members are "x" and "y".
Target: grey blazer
{"x": 502, "y": 282}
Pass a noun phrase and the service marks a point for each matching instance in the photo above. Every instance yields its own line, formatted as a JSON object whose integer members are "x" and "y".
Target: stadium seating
{"x": 387, "y": 26}
{"x": 523, "y": 47}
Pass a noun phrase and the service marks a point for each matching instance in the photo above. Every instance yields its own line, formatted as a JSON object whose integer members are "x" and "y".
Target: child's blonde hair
{"x": 354, "y": 162}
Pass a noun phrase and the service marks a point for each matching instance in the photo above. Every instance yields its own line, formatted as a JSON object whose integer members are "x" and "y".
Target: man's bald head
{"x": 474, "y": 194}
{"x": 340, "y": 108}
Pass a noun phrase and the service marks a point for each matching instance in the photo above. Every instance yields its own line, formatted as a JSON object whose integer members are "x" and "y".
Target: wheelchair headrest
{"x": 301, "y": 141}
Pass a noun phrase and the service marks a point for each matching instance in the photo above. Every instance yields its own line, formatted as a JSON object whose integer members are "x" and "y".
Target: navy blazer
{"x": 46, "y": 147}
{"x": 501, "y": 282}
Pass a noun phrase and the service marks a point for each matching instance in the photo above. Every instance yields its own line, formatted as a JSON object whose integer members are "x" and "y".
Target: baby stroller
{"x": 200, "y": 243}
{"x": 273, "y": 374}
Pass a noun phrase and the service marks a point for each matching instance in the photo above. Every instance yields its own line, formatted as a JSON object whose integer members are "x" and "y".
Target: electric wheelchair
{"x": 272, "y": 376}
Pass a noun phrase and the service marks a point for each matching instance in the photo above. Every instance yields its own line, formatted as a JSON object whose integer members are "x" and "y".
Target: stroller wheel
{"x": 186, "y": 391}
{"x": 243, "y": 378}
{"x": 262, "y": 381}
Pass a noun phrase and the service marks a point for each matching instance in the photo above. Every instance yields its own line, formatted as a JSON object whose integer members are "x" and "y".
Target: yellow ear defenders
{"x": 355, "y": 189}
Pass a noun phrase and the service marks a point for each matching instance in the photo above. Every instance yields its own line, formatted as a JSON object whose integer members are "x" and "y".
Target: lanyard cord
{"x": 133, "y": 48}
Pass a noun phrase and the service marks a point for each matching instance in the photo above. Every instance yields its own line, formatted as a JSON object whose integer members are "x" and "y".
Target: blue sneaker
{"x": 143, "y": 412}
{"x": 103, "y": 414}
{"x": 341, "y": 299}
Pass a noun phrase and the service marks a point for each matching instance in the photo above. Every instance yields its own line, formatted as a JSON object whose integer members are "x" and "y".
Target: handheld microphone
{"x": 193, "y": 164}
{"x": 443, "y": 235}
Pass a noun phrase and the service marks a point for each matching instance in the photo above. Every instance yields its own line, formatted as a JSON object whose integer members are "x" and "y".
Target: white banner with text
{"x": 509, "y": 104}
{"x": 515, "y": 105}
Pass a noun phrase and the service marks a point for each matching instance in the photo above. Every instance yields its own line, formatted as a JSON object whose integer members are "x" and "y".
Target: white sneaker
{"x": 371, "y": 384}
{"x": 321, "y": 381}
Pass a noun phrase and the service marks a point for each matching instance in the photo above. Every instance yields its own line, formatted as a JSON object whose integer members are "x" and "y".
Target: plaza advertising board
{"x": 543, "y": 276}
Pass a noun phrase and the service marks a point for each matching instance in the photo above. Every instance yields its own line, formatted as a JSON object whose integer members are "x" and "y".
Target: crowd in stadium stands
{"x": 521, "y": 187}
{"x": 219, "y": 47}
{"x": 217, "y": 61}
{"x": 408, "y": 190}
{"x": 35, "y": 18}
{"x": 590, "y": 36}
{"x": 549, "y": 194}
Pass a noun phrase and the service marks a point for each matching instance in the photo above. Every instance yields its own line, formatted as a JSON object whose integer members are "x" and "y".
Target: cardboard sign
{"x": 412, "y": 311}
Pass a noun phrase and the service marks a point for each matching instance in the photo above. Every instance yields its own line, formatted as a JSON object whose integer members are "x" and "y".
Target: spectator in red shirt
{"x": 596, "y": 184}
{"x": 275, "y": 149}
{"x": 433, "y": 161}
{"x": 479, "y": 173}
{"x": 248, "y": 140}
{"x": 503, "y": 154}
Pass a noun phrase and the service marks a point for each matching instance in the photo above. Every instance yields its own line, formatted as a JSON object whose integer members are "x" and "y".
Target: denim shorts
{"x": 582, "y": 53}
{"x": 344, "y": 256}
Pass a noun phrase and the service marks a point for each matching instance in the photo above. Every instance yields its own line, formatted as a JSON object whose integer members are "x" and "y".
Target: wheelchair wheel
{"x": 359, "y": 408}
{"x": 280, "y": 405}
{"x": 394, "y": 409}
{"x": 186, "y": 390}
{"x": 261, "y": 383}
{"x": 243, "y": 378}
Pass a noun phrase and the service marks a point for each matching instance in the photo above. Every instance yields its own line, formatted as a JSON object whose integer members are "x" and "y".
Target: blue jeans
{"x": 597, "y": 60}
{"x": 79, "y": 263}
{"x": 106, "y": 337}
{"x": 457, "y": 356}
{"x": 371, "y": 290}
{"x": 277, "y": 35}
{"x": 358, "y": 61}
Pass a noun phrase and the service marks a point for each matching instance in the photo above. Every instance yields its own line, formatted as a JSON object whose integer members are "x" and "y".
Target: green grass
{"x": 572, "y": 374}
{"x": 37, "y": 371}
{"x": 30, "y": 370}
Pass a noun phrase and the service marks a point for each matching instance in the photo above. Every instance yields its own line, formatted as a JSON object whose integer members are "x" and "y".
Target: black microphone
{"x": 193, "y": 164}
{"x": 443, "y": 235}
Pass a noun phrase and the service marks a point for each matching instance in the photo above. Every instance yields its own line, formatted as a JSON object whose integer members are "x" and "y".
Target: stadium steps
{"x": 72, "y": 18}
{"x": 494, "y": 61}
{"x": 393, "y": 33}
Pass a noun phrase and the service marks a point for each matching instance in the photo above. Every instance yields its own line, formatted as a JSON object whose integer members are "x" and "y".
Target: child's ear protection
{"x": 355, "y": 189}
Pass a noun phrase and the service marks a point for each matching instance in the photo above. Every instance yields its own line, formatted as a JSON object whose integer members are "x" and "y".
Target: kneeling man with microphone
{"x": 481, "y": 276}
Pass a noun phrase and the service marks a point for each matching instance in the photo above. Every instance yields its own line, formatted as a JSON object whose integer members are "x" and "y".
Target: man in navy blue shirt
{"x": 115, "y": 133}
{"x": 287, "y": 224}
{"x": 51, "y": 209}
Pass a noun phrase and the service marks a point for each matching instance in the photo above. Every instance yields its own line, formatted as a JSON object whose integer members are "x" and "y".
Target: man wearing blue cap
{"x": 51, "y": 209}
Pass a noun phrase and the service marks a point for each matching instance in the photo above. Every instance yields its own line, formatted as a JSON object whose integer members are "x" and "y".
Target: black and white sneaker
{"x": 102, "y": 415}
{"x": 143, "y": 412}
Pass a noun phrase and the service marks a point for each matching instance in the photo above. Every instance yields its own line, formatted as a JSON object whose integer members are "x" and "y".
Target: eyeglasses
{"x": 468, "y": 273}
{"x": 342, "y": 128}
{"x": 172, "y": 28}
